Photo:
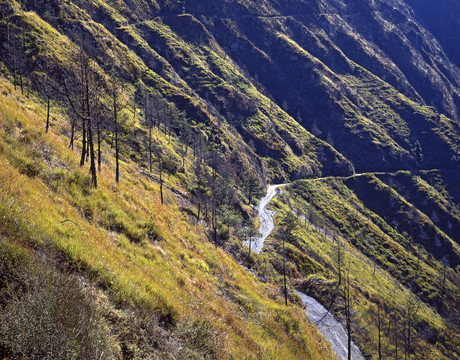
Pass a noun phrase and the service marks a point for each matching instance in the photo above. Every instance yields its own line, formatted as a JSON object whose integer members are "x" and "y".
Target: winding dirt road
{"x": 328, "y": 326}
{"x": 266, "y": 218}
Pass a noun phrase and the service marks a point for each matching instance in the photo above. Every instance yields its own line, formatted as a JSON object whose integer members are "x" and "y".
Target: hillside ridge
{"x": 137, "y": 138}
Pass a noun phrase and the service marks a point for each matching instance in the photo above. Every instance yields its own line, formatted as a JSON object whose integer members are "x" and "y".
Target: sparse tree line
{"x": 395, "y": 332}
{"x": 101, "y": 111}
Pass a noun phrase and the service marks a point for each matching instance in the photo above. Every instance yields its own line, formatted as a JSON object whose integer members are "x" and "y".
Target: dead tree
{"x": 289, "y": 225}
{"x": 102, "y": 125}
{"x": 85, "y": 114}
{"x": 116, "y": 128}
{"x": 184, "y": 135}
{"x": 347, "y": 301}
{"x": 47, "y": 88}
{"x": 250, "y": 233}
{"x": 16, "y": 55}
{"x": 339, "y": 258}
{"x": 160, "y": 170}
{"x": 148, "y": 113}
{"x": 411, "y": 308}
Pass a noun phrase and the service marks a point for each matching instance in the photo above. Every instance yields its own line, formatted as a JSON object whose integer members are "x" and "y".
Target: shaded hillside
{"x": 441, "y": 19}
{"x": 359, "y": 235}
{"x": 114, "y": 272}
{"x": 137, "y": 136}
{"x": 343, "y": 73}
{"x": 433, "y": 193}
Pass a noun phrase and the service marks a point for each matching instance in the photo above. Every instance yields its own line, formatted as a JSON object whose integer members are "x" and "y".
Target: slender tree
{"x": 251, "y": 186}
{"x": 249, "y": 234}
{"x": 411, "y": 308}
{"x": 200, "y": 189}
{"x": 184, "y": 136}
{"x": 83, "y": 64}
{"x": 160, "y": 160}
{"x": 347, "y": 301}
{"x": 148, "y": 115}
{"x": 45, "y": 85}
{"x": 116, "y": 128}
{"x": 340, "y": 259}
{"x": 90, "y": 131}
{"x": 16, "y": 50}
{"x": 86, "y": 116}
{"x": 99, "y": 141}
{"x": 289, "y": 225}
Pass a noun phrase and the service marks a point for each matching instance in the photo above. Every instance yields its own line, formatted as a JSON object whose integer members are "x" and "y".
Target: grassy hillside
{"x": 142, "y": 275}
{"x": 201, "y": 104}
{"x": 400, "y": 264}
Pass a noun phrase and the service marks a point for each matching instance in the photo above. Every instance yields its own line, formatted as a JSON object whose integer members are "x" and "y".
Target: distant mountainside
{"x": 366, "y": 76}
{"x": 355, "y": 104}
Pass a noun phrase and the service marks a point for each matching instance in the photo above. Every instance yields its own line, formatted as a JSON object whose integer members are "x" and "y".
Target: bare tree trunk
{"x": 47, "y": 113}
{"x": 92, "y": 156}
{"x": 150, "y": 147}
{"x": 87, "y": 139}
{"x": 87, "y": 142}
{"x": 183, "y": 157}
{"x": 23, "y": 52}
{"x": 72, "y": 134}
{"x": 14, "y": 74}
{"x": 160, "y": 165}
{"x": 99, "y": 140}
{"x": 117, "y": 154}
{"x": 90, "y": 132}
{"x": 83, "y": 143}
{"x": 214, "y": 221}
{"x": 284, "y": 274}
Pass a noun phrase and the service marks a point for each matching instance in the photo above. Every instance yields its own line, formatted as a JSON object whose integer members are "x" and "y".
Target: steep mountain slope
{"x": 141, "y": 277}
{"x": 359, "y": 235}
{"x": 355, "y": 103}
{"x": 441, "y": 19}
{"x": 309, "y": 58}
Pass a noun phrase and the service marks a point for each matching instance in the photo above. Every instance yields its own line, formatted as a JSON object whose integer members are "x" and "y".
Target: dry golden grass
{"x": 142, "y": 252}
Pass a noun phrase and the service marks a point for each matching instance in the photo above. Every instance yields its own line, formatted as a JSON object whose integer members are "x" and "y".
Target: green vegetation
{"x": 185, "y": 111}
{"x": 345, "y": 232}
{"x": 145, "y": 266}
